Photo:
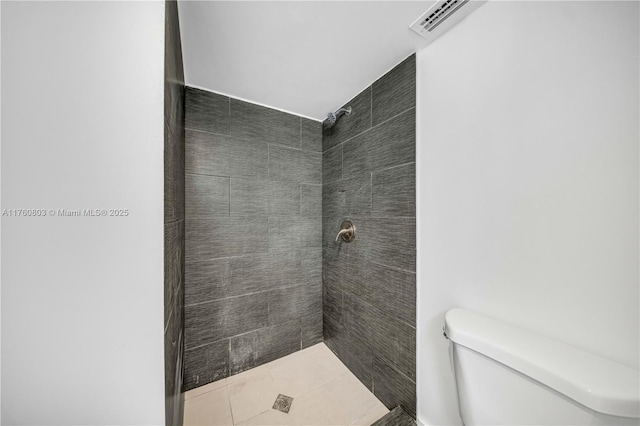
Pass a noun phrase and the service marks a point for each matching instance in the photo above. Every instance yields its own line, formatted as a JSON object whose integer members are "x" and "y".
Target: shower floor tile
{"x": 324, "y": 392}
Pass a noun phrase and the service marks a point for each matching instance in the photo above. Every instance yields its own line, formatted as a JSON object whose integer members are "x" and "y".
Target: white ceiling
{"x": 304, "y": 57}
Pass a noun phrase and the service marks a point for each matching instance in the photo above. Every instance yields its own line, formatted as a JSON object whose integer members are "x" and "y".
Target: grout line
{"x": 207, "y": 132}
{"x": 342, "y": 161}
{"x": 228, "y": 177}
{"x": 230, "y": 407}
{"x": 371, "y": 105}
{"x": 373, "y": 383}
{"x": 287, "y": 147}
{"x": 220, "y": 176}
{"x": 374, "y": 216}
{"x": 393, "y": 167}
{"x": 229, "y": 371}
{"x": 208, "y": 344}
{"x": 283, "y": 287}
{"x": 209, "y": 391}
{"x": 171, "y": 222}
{"x": 371, "y": 188}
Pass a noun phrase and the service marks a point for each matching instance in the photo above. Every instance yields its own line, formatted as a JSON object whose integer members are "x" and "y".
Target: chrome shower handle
{"x": 347, "y": 233}
{"x": 341, "y": 233}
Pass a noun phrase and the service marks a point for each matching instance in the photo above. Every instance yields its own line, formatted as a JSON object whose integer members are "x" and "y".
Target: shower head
{"x": 332, "y": 117}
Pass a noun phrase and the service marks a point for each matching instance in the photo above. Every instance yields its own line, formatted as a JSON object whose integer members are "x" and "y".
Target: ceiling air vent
{"x": 430, "y": 21}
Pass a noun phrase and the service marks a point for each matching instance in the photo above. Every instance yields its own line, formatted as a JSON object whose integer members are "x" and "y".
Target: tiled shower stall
{"x": 264, "y": 194}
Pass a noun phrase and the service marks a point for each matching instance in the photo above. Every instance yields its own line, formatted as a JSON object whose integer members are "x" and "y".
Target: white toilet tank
{"x": 506, "y": 375}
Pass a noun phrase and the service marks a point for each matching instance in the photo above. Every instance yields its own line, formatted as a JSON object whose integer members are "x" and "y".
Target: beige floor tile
{"x": 372, "y": 416}
{"x": 304, "y": 373}
{"x": 291, "y": 358}
{"x": 350, "y": 396}
{"x": 245, "y": 375}
{"x": 211, "y": 408}
{"x": 252, "y": 394}
{"x": 319, "y": 348}
{"x": 204, "y": 389}
{"x": 298, "y": 356}
{"x": 270, "y": 418}
{"x": 325, "y": 393}
{"x": 316, "y": 408}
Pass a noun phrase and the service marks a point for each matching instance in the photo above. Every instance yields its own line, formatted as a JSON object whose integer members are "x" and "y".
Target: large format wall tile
{"x": 294, "y": 232}
{"x": 311, "y": 134}
{"x": 255, "y": 122}
{"x": 333, "y": 302}
{"x": 311, "y": 329}
{"x": 266, "y": 271}
{"x": 351, "y": 349}
{"x": 390, "y": 144}
{"x": 225, "y": 236}
{"x": 294, "y": 302}
{"x": 206, "y": 196}
{"x": 395, "y": 92}
{"x": 332, "y": 164}
{"x": 284, "y": 198}
{"x": 394, "y": 291}
{"x": 253, "y": 236}
{"x": 349, "y": 272}
{"x": 295, "y": 165}
{"x": 393, "y": 388}
{"x": 394, "y": 191}
{"x": 206, "y": 111}
{"x": 220, "y": 155}
{"x": 388, "y": 241}
{"x": 206, "y": 364}
{"x": 311, "y": 263}
{"x": 348, "y": 197}
{"x": 249, "y": 197}
{"x": 311, "y": 200}
{"x": 210, "y": 321}
{"x": 261, "y": 346}
{"x": 207, "y": 280}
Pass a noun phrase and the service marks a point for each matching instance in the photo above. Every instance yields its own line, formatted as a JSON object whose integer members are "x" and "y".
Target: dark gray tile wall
{"x": 369, "y": 285}
{"x": 253, "y": 287}
{"x": 174, "y": 214}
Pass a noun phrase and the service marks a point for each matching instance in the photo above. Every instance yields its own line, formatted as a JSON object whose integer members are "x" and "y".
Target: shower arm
{"x": 342, "y": 111}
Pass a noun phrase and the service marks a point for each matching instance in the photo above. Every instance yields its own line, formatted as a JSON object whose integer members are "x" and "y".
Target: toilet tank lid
{"x": 598, "y": 383}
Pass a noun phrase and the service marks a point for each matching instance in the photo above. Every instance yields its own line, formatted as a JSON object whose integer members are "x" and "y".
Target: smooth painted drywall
{"x": 82, "y": 297}
{"x": 527, "y": 174}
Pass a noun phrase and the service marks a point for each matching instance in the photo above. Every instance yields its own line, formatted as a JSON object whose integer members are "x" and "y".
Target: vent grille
{"x": 441, "y": 13}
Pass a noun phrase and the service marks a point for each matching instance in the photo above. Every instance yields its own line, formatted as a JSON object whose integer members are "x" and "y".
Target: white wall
{"x": 82, "y": 297}
{"x": 528, "y": 181}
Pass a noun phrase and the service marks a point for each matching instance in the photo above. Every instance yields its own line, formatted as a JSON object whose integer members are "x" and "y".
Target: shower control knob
{"x": 347, "y": 233}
